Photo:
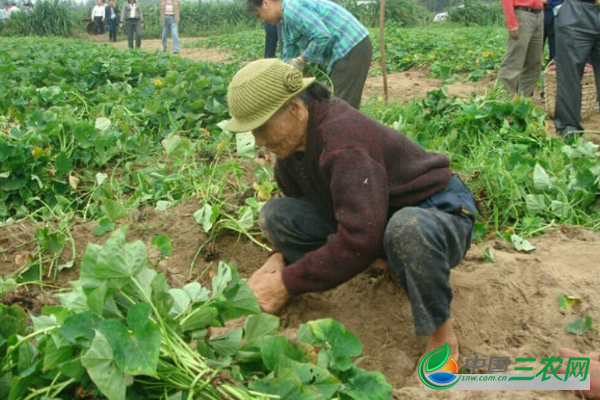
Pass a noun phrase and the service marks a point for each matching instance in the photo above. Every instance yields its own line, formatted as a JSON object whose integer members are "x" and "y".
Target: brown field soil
{"x": 507, "y": 308}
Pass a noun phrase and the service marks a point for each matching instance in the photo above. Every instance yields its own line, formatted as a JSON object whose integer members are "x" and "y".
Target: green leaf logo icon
{"x": 437, "y": 358}
{"x": 433, "y": 361}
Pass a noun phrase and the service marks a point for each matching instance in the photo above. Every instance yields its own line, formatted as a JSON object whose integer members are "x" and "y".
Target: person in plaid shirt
{"x": 322, "y": 32}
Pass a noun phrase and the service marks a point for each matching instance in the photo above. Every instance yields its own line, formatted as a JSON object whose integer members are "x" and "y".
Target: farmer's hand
{"x": 514, "y": 33}
{"x": 267, "y": 285}
{"x": 297, "y": 63}
{"x": 142, "y": 24}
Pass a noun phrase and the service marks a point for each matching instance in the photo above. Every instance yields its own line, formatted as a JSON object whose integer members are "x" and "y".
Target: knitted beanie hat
{"x": 259, "y": 90}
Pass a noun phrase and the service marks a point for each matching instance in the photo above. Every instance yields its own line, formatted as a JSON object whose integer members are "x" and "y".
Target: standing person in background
{"x": 14, "y": 8}
{"x": 5, "y": 14}
{"x": 522, "y": 62}
{"x": 132, "y": 18}
{"x": 550, "y": 9}
{"x": 169, "y": 18}
{"x": 577, "y": 43}
{"x": 98, "y": 15}
{"x": 322, "y": 32}
{"x": 112, "y": 15}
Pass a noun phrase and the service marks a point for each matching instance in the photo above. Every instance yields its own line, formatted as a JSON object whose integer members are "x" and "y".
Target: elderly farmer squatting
{"x": 356, "y": 191}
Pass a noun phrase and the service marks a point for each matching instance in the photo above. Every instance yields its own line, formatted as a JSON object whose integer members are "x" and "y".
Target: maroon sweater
{"x": 362, "y": 171}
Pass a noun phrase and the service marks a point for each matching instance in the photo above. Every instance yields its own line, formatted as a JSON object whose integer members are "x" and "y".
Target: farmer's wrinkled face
{"x": 285, "y": 132}
{"x": 270, "y": 11}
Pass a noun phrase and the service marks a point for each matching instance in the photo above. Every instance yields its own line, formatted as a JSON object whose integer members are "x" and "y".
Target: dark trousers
{"x": 549, "y": 32}
{"x": 421, "y": 243}
{"x": 112, "y": 29}
{"x": 131, "y": 25}
{"x": 271, "y": 38}
{"x": 99, "y": 25}
{"x": 349, "y": 74}
{"x": 577, "y": 27}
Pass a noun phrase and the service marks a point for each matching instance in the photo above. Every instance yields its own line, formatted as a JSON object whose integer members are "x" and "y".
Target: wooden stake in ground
{"x": 382, "y": 49}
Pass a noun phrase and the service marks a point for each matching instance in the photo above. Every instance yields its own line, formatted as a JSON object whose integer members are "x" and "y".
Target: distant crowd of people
{"x": 9, "y": 9}
{"x": 131, "y": 18}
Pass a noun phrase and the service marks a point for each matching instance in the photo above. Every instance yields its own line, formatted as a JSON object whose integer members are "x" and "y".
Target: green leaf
{"x": 227, "y": 344}
{"x": 200, "y": 318}
{"x": 102, "y": 123}
{"x": 14, "y": 320}
{"x": 245, "y": 218}
{"x": 196, "y": 292}
{"x": 54, "y": 355}
{"x": 221, "y": 279}
{"x": 567, "y": 302}
{"x": 245, "y": 144}
{"x": 113, "y": 209}
{"x": 488, "y": 255}
{"x": 238, "y": 298}
{"x": 80, "y": 327}
{"x": 535, "y": 203}
{"x": 43, "y": 322}
{"x": 163, "y": 243}
{"x": 317, "y": 379}
{"x": 336, "y": 340}
{"x": 368, "y": 386}
{"x": 7, "y": 284}
{"x": 559, "y": 208}
{"x": 119, "y": 260}
{"x": 586, "y": 179}
{"x": 102, "y": 369}
{"x": 104, "y": 226}
{"x": 62, "y": 164}
{"x": 541, "y": 180}
{"x": 272, "y": 348}
{"x": 260, "y": 325}
{"x": 206, "y": 216}
{"x": 176, "y": 145}
{"x": 580, "y": 326}
{"x": 437, "y": 358}
{"x": 284, "y": 388}
{"x": 135, "y": 353}
{"x": 181, "y": 301}
{"x": 520, "y": 243}
{"x": 101, "y": 177}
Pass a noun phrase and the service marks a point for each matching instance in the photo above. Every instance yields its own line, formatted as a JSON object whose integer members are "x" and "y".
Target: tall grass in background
{"x": 406, "y": 13}
{"x": 473, "y": 13}
{"x": 50, "y": 18}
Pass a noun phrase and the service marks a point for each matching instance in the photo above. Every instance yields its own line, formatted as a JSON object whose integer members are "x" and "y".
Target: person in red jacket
{"x": 356, "y": 191}
{"x": 522, "y": 62}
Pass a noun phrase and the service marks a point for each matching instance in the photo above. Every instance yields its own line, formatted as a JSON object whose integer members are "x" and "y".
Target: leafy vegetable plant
{"x": 123, "y": 333}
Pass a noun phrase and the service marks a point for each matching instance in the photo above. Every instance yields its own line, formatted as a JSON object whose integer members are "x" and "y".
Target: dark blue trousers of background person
{"x": 273, "y": 35}
{"x": 112, "y": 29}
{"x": 99, "y": 25}
{"x": 271, "y": 38}
{"x": 549, "y": 31}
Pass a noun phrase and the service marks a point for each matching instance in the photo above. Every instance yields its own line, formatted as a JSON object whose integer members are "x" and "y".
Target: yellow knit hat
{"x": 259, "y": 90}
